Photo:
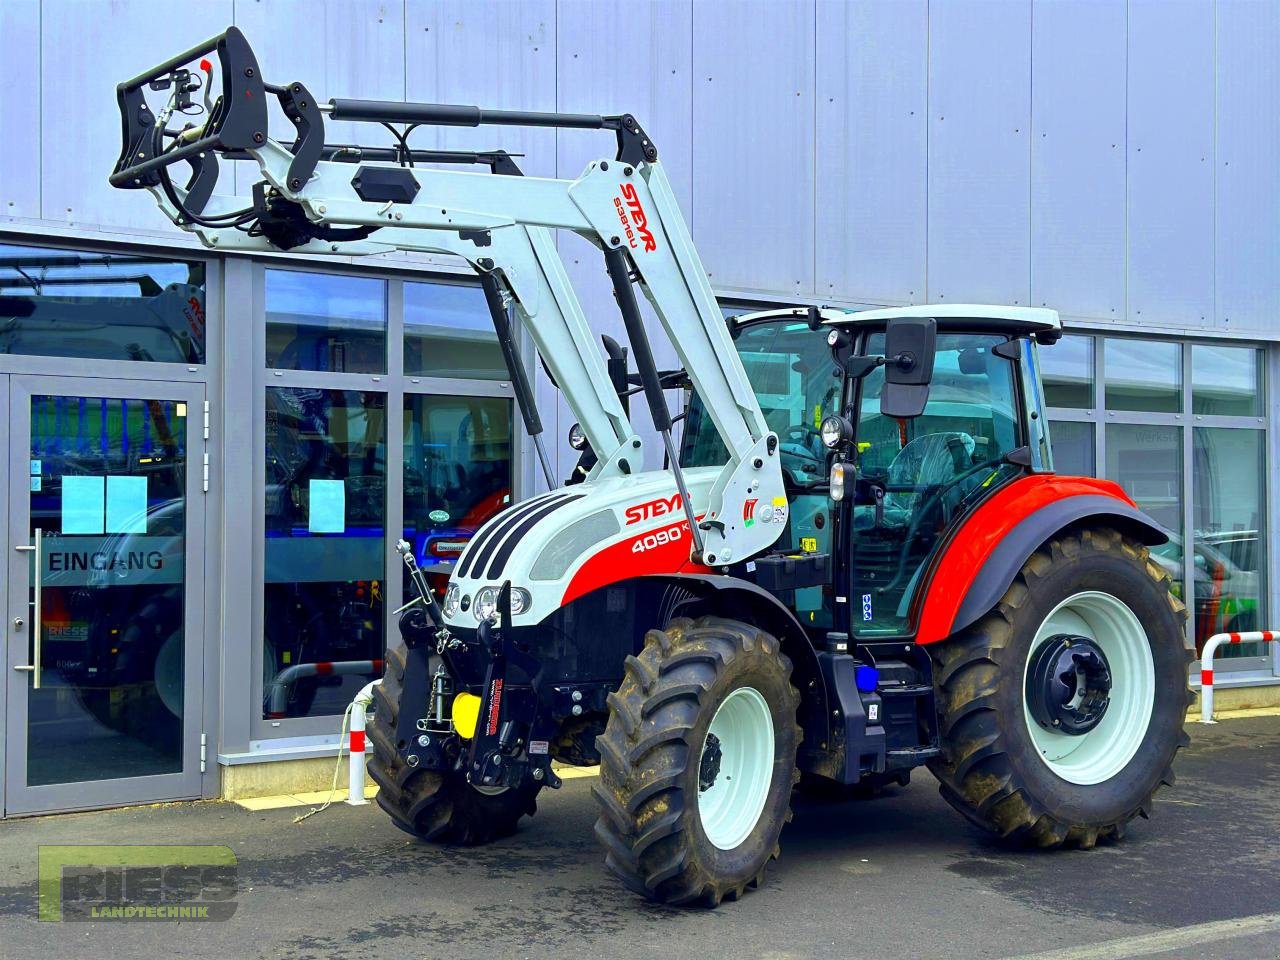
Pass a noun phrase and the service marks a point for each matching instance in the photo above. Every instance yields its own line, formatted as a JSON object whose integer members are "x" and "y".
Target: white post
{"x": 355, "y": 786}
{"x": 355, "y": 779}
{"x": 1206, "y": 664}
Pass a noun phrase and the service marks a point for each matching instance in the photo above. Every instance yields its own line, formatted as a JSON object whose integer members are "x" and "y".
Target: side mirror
{"x": 910, "y": 343}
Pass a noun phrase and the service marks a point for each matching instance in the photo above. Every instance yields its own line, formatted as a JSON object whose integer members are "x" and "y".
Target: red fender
{"x": 963, "y": 558}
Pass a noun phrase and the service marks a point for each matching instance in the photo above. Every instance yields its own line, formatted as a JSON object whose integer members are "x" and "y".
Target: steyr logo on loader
{"x": 637, "y": 218}
{"x": 654, "y": 508}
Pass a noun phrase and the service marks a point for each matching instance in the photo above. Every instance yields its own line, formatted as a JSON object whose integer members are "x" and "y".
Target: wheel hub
{"x": 709, "y": 768}
{"x": 1068, "y": 684}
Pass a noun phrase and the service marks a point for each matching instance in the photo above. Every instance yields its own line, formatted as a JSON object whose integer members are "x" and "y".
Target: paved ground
{"x": 899, "y": 876}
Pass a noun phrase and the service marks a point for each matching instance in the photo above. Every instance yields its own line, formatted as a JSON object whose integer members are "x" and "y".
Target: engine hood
{"x": 566, "y": 543}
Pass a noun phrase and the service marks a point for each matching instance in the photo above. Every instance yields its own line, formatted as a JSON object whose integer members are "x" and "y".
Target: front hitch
{"x": 512, "y": 738}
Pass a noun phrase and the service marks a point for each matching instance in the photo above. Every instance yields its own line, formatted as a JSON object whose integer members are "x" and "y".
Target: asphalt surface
{"x": 901, "y": 875}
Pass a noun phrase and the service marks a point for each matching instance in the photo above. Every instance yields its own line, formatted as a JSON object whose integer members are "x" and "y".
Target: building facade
{"x": 211, "y": 457}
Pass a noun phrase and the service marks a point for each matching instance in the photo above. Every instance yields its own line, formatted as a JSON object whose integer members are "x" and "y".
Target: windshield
{"x": 796, "y": 383}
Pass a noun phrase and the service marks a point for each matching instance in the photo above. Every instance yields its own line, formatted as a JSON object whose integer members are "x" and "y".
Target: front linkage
{"x": 496, "y": 739}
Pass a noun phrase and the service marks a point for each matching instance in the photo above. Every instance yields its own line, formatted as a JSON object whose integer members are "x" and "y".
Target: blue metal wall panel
{"x": 1248, "y": 165}
{"x": 20, "y": 109}
{"x": 1078, "y": 157}
{"x": 753, "y": 144}
{"x": 1171, "y": 161}
{"x": 80, "y": 122}
{"x": 872, "y": 157}
{"x": 979, "y": 156}
{"x": 487, "y": 52}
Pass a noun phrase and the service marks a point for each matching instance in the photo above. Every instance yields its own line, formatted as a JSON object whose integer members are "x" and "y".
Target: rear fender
{"x": 982, "y": 558}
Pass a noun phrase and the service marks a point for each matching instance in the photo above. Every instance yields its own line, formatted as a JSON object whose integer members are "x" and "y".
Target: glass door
{"x": 103, "y": 626}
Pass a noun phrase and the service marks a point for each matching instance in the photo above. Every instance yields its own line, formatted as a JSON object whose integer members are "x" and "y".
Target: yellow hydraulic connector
{"x": 466, "y": 712}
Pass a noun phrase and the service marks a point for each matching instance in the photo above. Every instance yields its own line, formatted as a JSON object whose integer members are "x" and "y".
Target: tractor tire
{"x": 705, "y": 702}
{"x": 1092, "y": 606}
{"x": 432, "y": 805}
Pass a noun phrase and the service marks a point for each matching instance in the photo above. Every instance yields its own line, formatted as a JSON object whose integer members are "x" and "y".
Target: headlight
{"x": 485, "y": 604}
{"x": 835, "y": 430}
{"x": 452, "y": 598}
{"x": 520, "y": 600}
{"x": 577, "y": 439}
{"x": 837, "y": 481}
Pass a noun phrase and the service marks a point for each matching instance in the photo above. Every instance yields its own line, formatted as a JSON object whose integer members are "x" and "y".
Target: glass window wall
{"x": 448, "y": 333}
{"x": 1218, "y": 463}
{"x": 324, "y": 566}
{"x": 1226, "y": 381}
{"x": 457, "y": 474}
{"x": 1230, "y": 551}
{"x": 1143, "y": 375}
{"x": 101, "y": 306}
{"x": 326, "y": 322}
{"x": 1067, "y": 370}
{"x": 1072, "y": 448}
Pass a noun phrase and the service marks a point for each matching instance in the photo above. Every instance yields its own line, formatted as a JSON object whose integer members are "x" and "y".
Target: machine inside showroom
{"x": 856, "y": 560}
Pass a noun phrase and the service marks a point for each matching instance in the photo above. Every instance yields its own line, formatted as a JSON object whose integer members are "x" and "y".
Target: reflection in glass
{"x": 1147, "y": 462}
{"x": 1143, "y": 375}
{"x": 1230, "y": 554}
{"x": 320, "y": 321}
{"x": 324, "y": 556}
{"x": 69, "y": 303}
{"x": 448, "y": 333}
{"x": 107, "y": 483}
{"x": 1072, "y": 448}
{"x": 457, "y": 474}
{"x": 1067, "y": 370}
{"x": 1226, "y": 381}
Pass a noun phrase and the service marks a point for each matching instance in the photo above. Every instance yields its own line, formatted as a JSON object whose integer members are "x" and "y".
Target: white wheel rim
{"x": 1101, "y": 753}
{"x": 730, "y": 808}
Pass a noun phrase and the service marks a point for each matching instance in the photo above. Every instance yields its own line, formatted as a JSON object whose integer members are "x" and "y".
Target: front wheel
{"x": 1062, "y": 709}
{"x": 697, "y": 762}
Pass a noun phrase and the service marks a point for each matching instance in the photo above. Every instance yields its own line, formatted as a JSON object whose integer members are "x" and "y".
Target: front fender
{"x": 981, "y": 559}
{"x": 736, "y": 599}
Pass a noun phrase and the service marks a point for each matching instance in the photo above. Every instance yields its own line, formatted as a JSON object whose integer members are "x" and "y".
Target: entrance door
{"x": 104, "y": 624}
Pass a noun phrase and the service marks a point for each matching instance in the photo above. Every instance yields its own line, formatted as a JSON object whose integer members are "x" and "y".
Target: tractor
{"x": 856, "y": 560}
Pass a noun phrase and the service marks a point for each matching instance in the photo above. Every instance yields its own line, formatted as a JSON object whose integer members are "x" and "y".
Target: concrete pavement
{"x": 898, "y": 876}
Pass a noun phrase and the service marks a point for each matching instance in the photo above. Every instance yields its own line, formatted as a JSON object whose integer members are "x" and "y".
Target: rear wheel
{"x": 1062, "y": 709}
{"x": 697, "y": 762}
{"x": 433, "y": 805}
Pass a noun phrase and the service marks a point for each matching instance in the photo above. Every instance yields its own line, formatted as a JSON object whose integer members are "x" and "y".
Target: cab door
{"x": 917, "y": 476}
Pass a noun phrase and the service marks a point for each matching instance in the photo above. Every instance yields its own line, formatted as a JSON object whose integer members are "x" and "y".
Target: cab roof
{"x": 1031, "y": 319}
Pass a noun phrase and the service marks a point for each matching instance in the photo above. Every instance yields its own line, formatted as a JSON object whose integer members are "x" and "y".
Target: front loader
{"x": 857, "y": 560}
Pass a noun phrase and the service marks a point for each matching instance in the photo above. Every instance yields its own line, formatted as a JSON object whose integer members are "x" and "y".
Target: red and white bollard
{"x": 355, "y": 779}
{"x": 1206, "y": 663}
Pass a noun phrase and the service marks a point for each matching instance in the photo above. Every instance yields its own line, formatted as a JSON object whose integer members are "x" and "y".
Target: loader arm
{"x": 320, "y": 199}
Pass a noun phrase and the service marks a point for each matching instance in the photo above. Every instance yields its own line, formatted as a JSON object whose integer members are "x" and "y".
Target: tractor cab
{"x": 892, "y": 426}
